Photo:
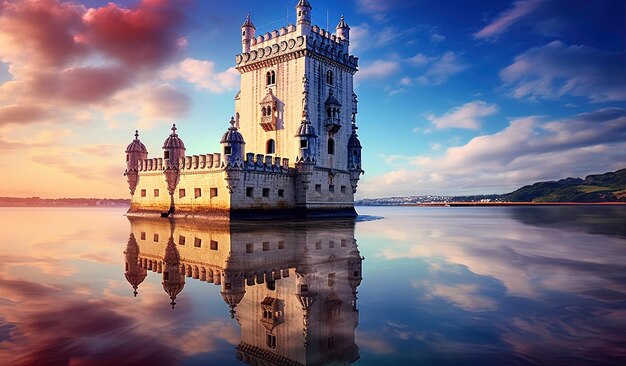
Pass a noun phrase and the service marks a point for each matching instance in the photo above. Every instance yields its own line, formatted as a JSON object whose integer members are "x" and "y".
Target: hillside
{"x": 608, "y": 187}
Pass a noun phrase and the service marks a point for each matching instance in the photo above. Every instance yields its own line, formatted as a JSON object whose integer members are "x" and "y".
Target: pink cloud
{"x": 507, "y": 18}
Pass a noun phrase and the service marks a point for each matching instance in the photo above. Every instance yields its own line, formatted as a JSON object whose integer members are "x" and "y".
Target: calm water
{"x": 438, "y": 286}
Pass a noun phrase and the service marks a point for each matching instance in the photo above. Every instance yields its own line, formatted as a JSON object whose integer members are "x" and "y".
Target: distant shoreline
{"x": 498, "y": 204}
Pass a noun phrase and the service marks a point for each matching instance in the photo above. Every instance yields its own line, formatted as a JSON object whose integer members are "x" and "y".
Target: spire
{"x": 342, "y": 23}
{"x": 304, "y": 3}
{"x": 174, "y": 130}
{"x": 248, "y": 23}
{"x": 136, "y": 135}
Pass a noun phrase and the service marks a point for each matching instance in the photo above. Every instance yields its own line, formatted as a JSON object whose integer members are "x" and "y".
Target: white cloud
{"x": 436, "y": 38}
{"x": 420, "y": 59}
{"x": 507, "y": 18}
{"x": 555, "y": 70}
{"x": 441, "y": 68}
{"x": 528, "y": 150}
{"x": 378, "y": 69}
{"x": 466, "y": 116}
{"x": 202, "y": 74}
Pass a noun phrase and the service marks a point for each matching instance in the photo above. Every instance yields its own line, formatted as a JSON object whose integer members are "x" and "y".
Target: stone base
{"x": 251, "y": 214}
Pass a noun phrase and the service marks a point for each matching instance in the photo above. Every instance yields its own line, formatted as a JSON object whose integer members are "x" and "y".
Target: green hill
{"x": 608, "y": 187}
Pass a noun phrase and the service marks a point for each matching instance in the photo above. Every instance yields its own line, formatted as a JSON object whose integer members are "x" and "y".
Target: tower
{"x": 135, "y": 152}
{"x": 173, "y": 152}
{"x": 247, "y": 34}
{"x": 303, "y": 11}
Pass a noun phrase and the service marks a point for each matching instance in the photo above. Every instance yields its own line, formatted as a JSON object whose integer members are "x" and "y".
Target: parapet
{"x": 192, "y": 162}
{"x": 266, "y": 163}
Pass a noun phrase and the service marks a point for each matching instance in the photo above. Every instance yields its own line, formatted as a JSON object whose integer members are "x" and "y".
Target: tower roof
{"x": 136, "y": 145}
{"x": 304, "y": 3}
{"x": 354, "y": 137}
{"x": 342, "y": 23}
{"x": 173, "y": 141}
{"x": 232, "y": 135}
{"x": 248, "y": 23}
{"x": 331, "y": 100}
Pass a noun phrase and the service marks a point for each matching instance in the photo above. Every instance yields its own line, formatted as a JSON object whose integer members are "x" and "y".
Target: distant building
{"x": 292, "y": 148}
{"x": 291, "y": 288}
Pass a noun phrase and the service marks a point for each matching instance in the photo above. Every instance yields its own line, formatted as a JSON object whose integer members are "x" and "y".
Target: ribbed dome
{"x": 342, "y": 23}
{"x": 232, "y": 135}
{"x": 354, "y": 138}
{"x": 173, "y": 141}
{"x": 136, "y": 145}
{"x": 306, "y": 129}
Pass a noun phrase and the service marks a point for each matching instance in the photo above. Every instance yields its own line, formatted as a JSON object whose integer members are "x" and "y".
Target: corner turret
{"x": 247, "y": 34}
{"x": 173, "y": 152}
{"x": 303, "y": 10}
{"x": 135, "y": 152}
{"x": 233, "y": 144}
{"x": 133, "y": 272}
{"x": 354, "y": 156}
{"x": 343, "y": 30}
{"x": 173, "y": 277}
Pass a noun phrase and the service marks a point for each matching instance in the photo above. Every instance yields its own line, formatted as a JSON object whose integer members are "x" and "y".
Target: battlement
{"x": 266, "y": 163}
{"x": 253, "y": 162}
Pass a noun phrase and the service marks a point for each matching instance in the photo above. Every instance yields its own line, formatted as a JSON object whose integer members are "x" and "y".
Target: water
{"x": 438, "y": 286}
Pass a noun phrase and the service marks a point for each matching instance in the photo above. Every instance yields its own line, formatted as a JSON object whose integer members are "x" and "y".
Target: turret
{"x": 133, "y": 272}
{"x": 233, "y": 290}
{"x": 135, "y": 152}
{"x": 343, "y": 30}
{"x": 233, "y": 147}
{"x": 173, "y": 277}
{"x": 305, "y": 293}
{"x": 173, "y": 151}
{"x": 303, "y": 11}
{"x": 333, "y": 109}
{"x": 247, "y": 34}
{"x": 354, "y": 155}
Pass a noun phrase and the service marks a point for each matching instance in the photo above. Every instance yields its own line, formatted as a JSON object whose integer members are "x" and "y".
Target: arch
{"x": 270, "y": 146}
{"x": 330, "y": 77}
{"x": 270, "y": 78}
{"x": 331, "y": 146}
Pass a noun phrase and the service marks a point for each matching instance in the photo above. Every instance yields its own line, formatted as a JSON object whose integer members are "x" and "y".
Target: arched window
{"x": 330, "y": 78}
{"x": 270, "y": 78}
{"x": 270, "y": 146}
{"x": 329, "y": 113}
{"x": 331, "y": 147}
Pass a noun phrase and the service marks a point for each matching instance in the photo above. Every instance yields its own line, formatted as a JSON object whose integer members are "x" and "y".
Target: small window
{"x": 343, "y": 243}
{"x": 250, "y": 248}
{"x": 266, "y": 192}
{"x": 281, "y": 245}
{"x": 318, "y": 245}
{"x": 181, "y": 240}
{"x": 331, "y": 147}
{"x": 228, "y": 286}
{"x": 143, "y": 193}
{"x": 166, "y": 154}
{"x": 266, "y": 246}
{"x": 331, "y": 188}
{"x": 156, "y": 193}
{"x": 330, "y": 78}
{"x": 331, "y": 244}
{"x": 281, "y": 193}
{"x": 213, "y": 192}
{"x": 270, "y": 78}
{"x": 331, "y": 279}
{"x": 166, "y": 276}
{"x": 318, "y": 188}
{"x": 155, "y": 238}
{"x": 355, "y": 274}
{"x": 249, "y": 192}
{"x": 181, "y": 193}
{"x": 214, "y": 245}
{"x": 343, "y": 189}
{"x": 228, "y": 150}
{"x": 270, "y": 146}
{"x": 143, "y": 236}
{"x": 304, "y": 288}
{"x": 304, "y": 144}
{"x": 197, "y": 242}
{"x": 271, "y": 341}
{"x": 127, "y": 158}
{"x": 197, "y": 192}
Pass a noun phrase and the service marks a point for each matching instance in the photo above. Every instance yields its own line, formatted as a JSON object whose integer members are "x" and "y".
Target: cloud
{"x": 165, "y": 100}
{"x": 363, "y": 38}
{"x": 555, "y": 70}
{"x": 526, "y": 151}
{"x": 441, "y": 68}
{"x": 378, "y": 69}
{"x": 436, "y": 38}
{"x": 466, "y": 116}
{"x": 508, "y": 18}
{"x": 202, "y": 74}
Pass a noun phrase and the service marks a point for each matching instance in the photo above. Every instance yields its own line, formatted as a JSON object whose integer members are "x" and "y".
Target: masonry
{"x": 292, "y": 149}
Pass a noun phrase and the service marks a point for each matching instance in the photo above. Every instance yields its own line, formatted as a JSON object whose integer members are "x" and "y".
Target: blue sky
{"x": 455, "y": 97}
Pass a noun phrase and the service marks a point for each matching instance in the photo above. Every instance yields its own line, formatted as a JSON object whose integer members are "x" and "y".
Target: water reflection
{"x": 292, "y": 287}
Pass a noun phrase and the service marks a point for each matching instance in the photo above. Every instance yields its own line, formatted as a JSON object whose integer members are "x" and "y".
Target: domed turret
{"x": 247, "y": 33}
{"x": 135, "y": 152}
{"x": 133, "y": 272}
{"x": 343, "y": 30}
{"x": 173, "y": 278}
{"x": 333, "y": 109}
{"x": 306, "y": 133}
{"x": 233, "y": 290}
{"x": 354, "y": 156}
{"x": 233, "y": 144}
{"x": 303, "y": 11}
{"x": 173, "y": 151}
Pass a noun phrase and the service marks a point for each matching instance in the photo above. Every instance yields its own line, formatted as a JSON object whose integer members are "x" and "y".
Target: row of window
{"x": 270, "y": 146}
{"x": 266, "y": 246}
{"x": 197, "y": 192}
{"x": 331, "y": 189}
{"x": 270, "y": 78}
{"x": 182, "y": 240}
{"x": 265, "y": 192}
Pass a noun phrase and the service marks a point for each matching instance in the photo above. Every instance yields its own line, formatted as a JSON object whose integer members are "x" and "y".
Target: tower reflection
{"x": 291, "y": 286}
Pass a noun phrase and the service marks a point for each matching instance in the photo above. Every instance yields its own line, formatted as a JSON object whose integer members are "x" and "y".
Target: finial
{"x": 136, "y": 134}
{"x": 135, "y": 293}
{"x": 232, "y": 122}
{"x": 174, "y": 129}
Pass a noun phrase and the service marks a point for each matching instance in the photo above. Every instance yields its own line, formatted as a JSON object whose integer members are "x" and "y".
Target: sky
{"x": 455, "y": 97}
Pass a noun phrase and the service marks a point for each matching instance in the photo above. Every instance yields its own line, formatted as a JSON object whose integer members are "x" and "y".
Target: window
{"x": 197, "y": 192}
{"x": 181, "y": 193}
{"x": 304, "y": 144}
{"x": 281, "y": 245}
{"x": 250, "y": 248}
{"x": 270, "y": 78}
{"x": 197, "y": 242}
{"x": 318, "y": 188}
{"x": 318, "y": 245}
{"x": 271, "y": 341}
{"x": 330, "y": 78}
{"x": 166, "y": 154}
{"x": 343, "y": 243}
{"x": 166, "y": 276}
{"x": 331, "y": 147}
{"x": 304, "y": 288}
{"x": 143, "y": 236}
{"x": 331, "y": 188}
{"x": 331, "y": 279}
{"x": 270, "y": 146}
{"x": 343, "y": 189}
{"x": 214, "y": 245}
{"x": 355, "y": 273}
{"x": 266, "y": 192}
{"x": 143, "y": 193}
{"x": 156, "y": 193}
{"x": 331, "y": 244}
{"x": 181, "y": 240}
{"x": 228, "y": 286}
{"x": 213, "y": 192}
{"x": 249, "y": 192}
{"x": 155, "y": 238}
{"x": 228, "y": 150}
{"x": 281, "y": 193}
{"x": 127, "y": 157}
{"x": 266, "y": 246}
